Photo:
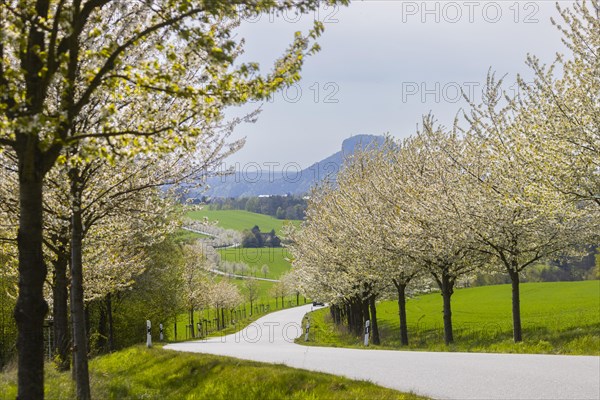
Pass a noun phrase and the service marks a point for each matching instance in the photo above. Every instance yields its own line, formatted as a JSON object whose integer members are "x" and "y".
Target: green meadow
{"x": 141, "y": 373}
{"x": 185, "y": 236}
{"x": 276, "y": 258}
{"x": 239, "y": 220}
{"x": 557, "y": 318}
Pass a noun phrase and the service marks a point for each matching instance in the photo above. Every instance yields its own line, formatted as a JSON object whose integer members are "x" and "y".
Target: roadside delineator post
{"x": 307, "y": 330}
{"x": 162, "y": 336}
{"x": 148, "y": 333}
{"x": 367, "y": 326}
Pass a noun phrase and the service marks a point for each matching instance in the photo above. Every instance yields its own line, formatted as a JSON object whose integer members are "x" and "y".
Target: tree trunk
{"x": 374, "y": 325}
{"x": 348, "y": 315}
{"x": 60, "y": 311}
{"x": 351, "y": 316}
{"x": 334, "y": 311}
{"x": 191, "y": 321}
{"x": 401, "y": 289}
{"x": 358, "y": 317}
{"x": 223, "y": 317}
{"x": 111, "y": 327}
{"x": 31, "y": 308}
{"x": 102, "y": 329}
{"x": 516, "y": 306}
{"x": 80, "y": 348}
{"x": 364, "y": 303}
{"x": 447, "y": 291}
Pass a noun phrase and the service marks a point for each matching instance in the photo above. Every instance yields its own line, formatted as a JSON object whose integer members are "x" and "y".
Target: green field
{"x": 185, "y": 236}
{"x": 557, "y": 317}
{"x": 274, "y": 257}
{"x": 239, "y": 220}
{"x": 140, "y": 373}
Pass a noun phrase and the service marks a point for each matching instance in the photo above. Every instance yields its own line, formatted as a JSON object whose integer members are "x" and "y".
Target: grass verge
{"x": 140, "y": 373}
{"x": 557, "y": 318}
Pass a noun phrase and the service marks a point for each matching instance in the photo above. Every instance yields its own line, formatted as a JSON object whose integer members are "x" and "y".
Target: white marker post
{"x": 367, "y": 325}
{"x": 162, "y": 336}
{"x": 307, "y": 329}
{"x": 148, "y": 333}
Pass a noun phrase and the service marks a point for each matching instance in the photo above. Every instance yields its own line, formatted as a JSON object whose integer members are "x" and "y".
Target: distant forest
{"x": 280, "y": 207}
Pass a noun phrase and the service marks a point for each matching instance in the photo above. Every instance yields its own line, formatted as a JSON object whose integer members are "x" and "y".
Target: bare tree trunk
{"x": 447, "y": 288}
{"x": 31, "y": 308}
{"x": 364, "y": 303}
{"x": 401, "y": 289}
{"x": 516, "y": 306}
{"x": 374, "y": 324}
{"x": 102, "y": 329}
{"x": 348, "y": 315}
{"x": 191, "y": 321}
{"x": 111, "y": 328}
{"x": 358, "y": 317}
{"x": 337, "y": 315}
{"x": 60, "y": 311}
{"x": 80, "y": 346}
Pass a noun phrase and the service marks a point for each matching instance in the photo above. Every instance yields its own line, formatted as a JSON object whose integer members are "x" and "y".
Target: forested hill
{"x": 249, "y": 182}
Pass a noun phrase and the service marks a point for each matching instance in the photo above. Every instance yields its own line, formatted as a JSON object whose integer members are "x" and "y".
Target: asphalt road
{"x": 438, "y": 375}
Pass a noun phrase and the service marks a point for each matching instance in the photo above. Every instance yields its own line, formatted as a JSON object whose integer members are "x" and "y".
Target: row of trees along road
{"x": 200, "y": 289}
{"x": 516, "y": 184}
{"x": 100, "y": 85}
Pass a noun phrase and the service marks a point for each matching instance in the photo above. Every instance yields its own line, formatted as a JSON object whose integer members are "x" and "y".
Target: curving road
{"x": 438, "y": 375}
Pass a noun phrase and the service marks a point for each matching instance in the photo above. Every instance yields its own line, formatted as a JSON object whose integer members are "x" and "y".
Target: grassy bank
{"x": 557, "y": 318}
{"x": 140, "y": 373}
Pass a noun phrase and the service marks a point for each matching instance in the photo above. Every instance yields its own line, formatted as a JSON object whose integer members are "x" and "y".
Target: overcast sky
{"x": 383, "y": 64}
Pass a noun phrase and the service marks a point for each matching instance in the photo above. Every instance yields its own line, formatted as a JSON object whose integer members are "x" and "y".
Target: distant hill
{"x": 253, "y": 183}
